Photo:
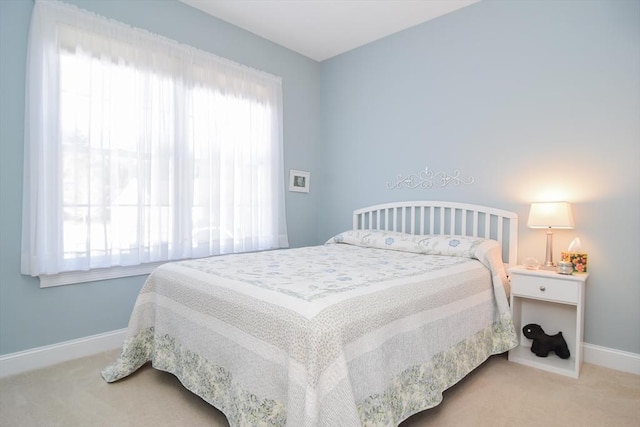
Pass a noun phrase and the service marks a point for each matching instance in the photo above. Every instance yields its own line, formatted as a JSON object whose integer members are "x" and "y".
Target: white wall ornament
{"x": 428, "y": 178}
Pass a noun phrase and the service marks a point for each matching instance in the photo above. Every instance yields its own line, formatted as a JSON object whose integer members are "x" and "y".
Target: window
{"x": 139, "y": 150}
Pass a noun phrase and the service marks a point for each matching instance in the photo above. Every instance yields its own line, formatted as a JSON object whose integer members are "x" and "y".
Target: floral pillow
{"x": 429, "y": 244}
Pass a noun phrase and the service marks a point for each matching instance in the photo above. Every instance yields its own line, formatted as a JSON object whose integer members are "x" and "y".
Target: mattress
{"x": 367, "y": 329}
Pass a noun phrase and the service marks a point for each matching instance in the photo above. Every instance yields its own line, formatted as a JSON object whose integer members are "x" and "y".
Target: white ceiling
{"x": 321, "y": 29}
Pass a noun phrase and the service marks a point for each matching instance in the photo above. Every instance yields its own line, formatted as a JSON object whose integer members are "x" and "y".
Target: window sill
{"x": 73, "y": 277}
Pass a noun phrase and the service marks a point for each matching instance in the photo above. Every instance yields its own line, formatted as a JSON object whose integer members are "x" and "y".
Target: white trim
{"x": 15, "y": 363}
{"x": 611, "y": 358}
{"x": 71, "y": 277}
{"x": 22, "y": 361}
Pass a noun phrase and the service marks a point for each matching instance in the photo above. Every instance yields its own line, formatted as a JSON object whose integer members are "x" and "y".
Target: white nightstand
{"x": 555, "y": 302}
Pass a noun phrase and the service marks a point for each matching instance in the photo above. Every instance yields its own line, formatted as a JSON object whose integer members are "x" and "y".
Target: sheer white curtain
{"x": 139, "y": 149}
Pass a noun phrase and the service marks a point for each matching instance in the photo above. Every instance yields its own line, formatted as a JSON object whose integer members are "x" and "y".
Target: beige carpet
{"x": 499, "y": 393}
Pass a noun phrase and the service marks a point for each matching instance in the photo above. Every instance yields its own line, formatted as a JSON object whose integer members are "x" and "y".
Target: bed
{"x": 367, "y": 329}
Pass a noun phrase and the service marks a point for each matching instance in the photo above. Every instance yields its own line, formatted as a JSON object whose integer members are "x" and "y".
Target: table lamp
{"x": 550, "y": 215}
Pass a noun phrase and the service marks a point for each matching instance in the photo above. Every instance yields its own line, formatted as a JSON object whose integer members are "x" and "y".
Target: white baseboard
{"x": 41, "y": 357}
{"x": 22, "y": 361}
{"x": 611, "y": 358}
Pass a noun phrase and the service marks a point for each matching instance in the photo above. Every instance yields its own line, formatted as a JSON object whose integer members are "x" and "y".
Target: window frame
{"x": 55, "y": 17}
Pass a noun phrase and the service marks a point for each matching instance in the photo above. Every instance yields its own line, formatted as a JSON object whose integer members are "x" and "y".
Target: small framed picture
{"x": 299, "y": 181}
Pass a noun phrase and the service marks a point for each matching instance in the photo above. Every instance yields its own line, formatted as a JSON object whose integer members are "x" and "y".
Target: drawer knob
{"x": 542, "y": 288}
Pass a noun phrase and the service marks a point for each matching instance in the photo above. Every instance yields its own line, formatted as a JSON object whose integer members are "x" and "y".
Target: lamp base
{"x": 548, "y": 261}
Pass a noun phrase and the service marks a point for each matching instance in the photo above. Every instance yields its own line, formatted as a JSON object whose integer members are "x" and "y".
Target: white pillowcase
{"x": 461, "y": 246}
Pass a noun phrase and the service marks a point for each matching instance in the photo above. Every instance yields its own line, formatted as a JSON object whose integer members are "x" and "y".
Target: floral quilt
{"x": 367, "y": 329}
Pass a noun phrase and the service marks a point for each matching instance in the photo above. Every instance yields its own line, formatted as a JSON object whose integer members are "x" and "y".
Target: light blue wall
{"x": 535, "y": 99}
{"x": 538, "y": 100}
{"x": 32, "y": 317}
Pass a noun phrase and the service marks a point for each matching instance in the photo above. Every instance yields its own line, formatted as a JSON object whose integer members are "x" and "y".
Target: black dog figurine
{"x": 543, "y": 343}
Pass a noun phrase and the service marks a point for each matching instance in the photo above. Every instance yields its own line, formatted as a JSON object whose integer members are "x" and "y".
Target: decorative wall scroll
{"x": 428, "y": 178}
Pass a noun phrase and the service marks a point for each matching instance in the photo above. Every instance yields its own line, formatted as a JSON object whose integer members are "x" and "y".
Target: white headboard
{"x": 444, "y": 218}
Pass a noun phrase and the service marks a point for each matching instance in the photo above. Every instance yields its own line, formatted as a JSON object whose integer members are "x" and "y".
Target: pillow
{"x": 461, "y": 246}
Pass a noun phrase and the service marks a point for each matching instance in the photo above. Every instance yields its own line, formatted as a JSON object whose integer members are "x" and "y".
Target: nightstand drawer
{"x": 545, "y": 288}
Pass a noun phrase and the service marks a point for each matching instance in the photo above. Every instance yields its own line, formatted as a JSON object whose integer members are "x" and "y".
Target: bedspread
{"x": 365, "y": 330}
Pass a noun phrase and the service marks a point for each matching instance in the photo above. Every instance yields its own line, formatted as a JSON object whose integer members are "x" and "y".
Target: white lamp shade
{"x": 550, "y": 215}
